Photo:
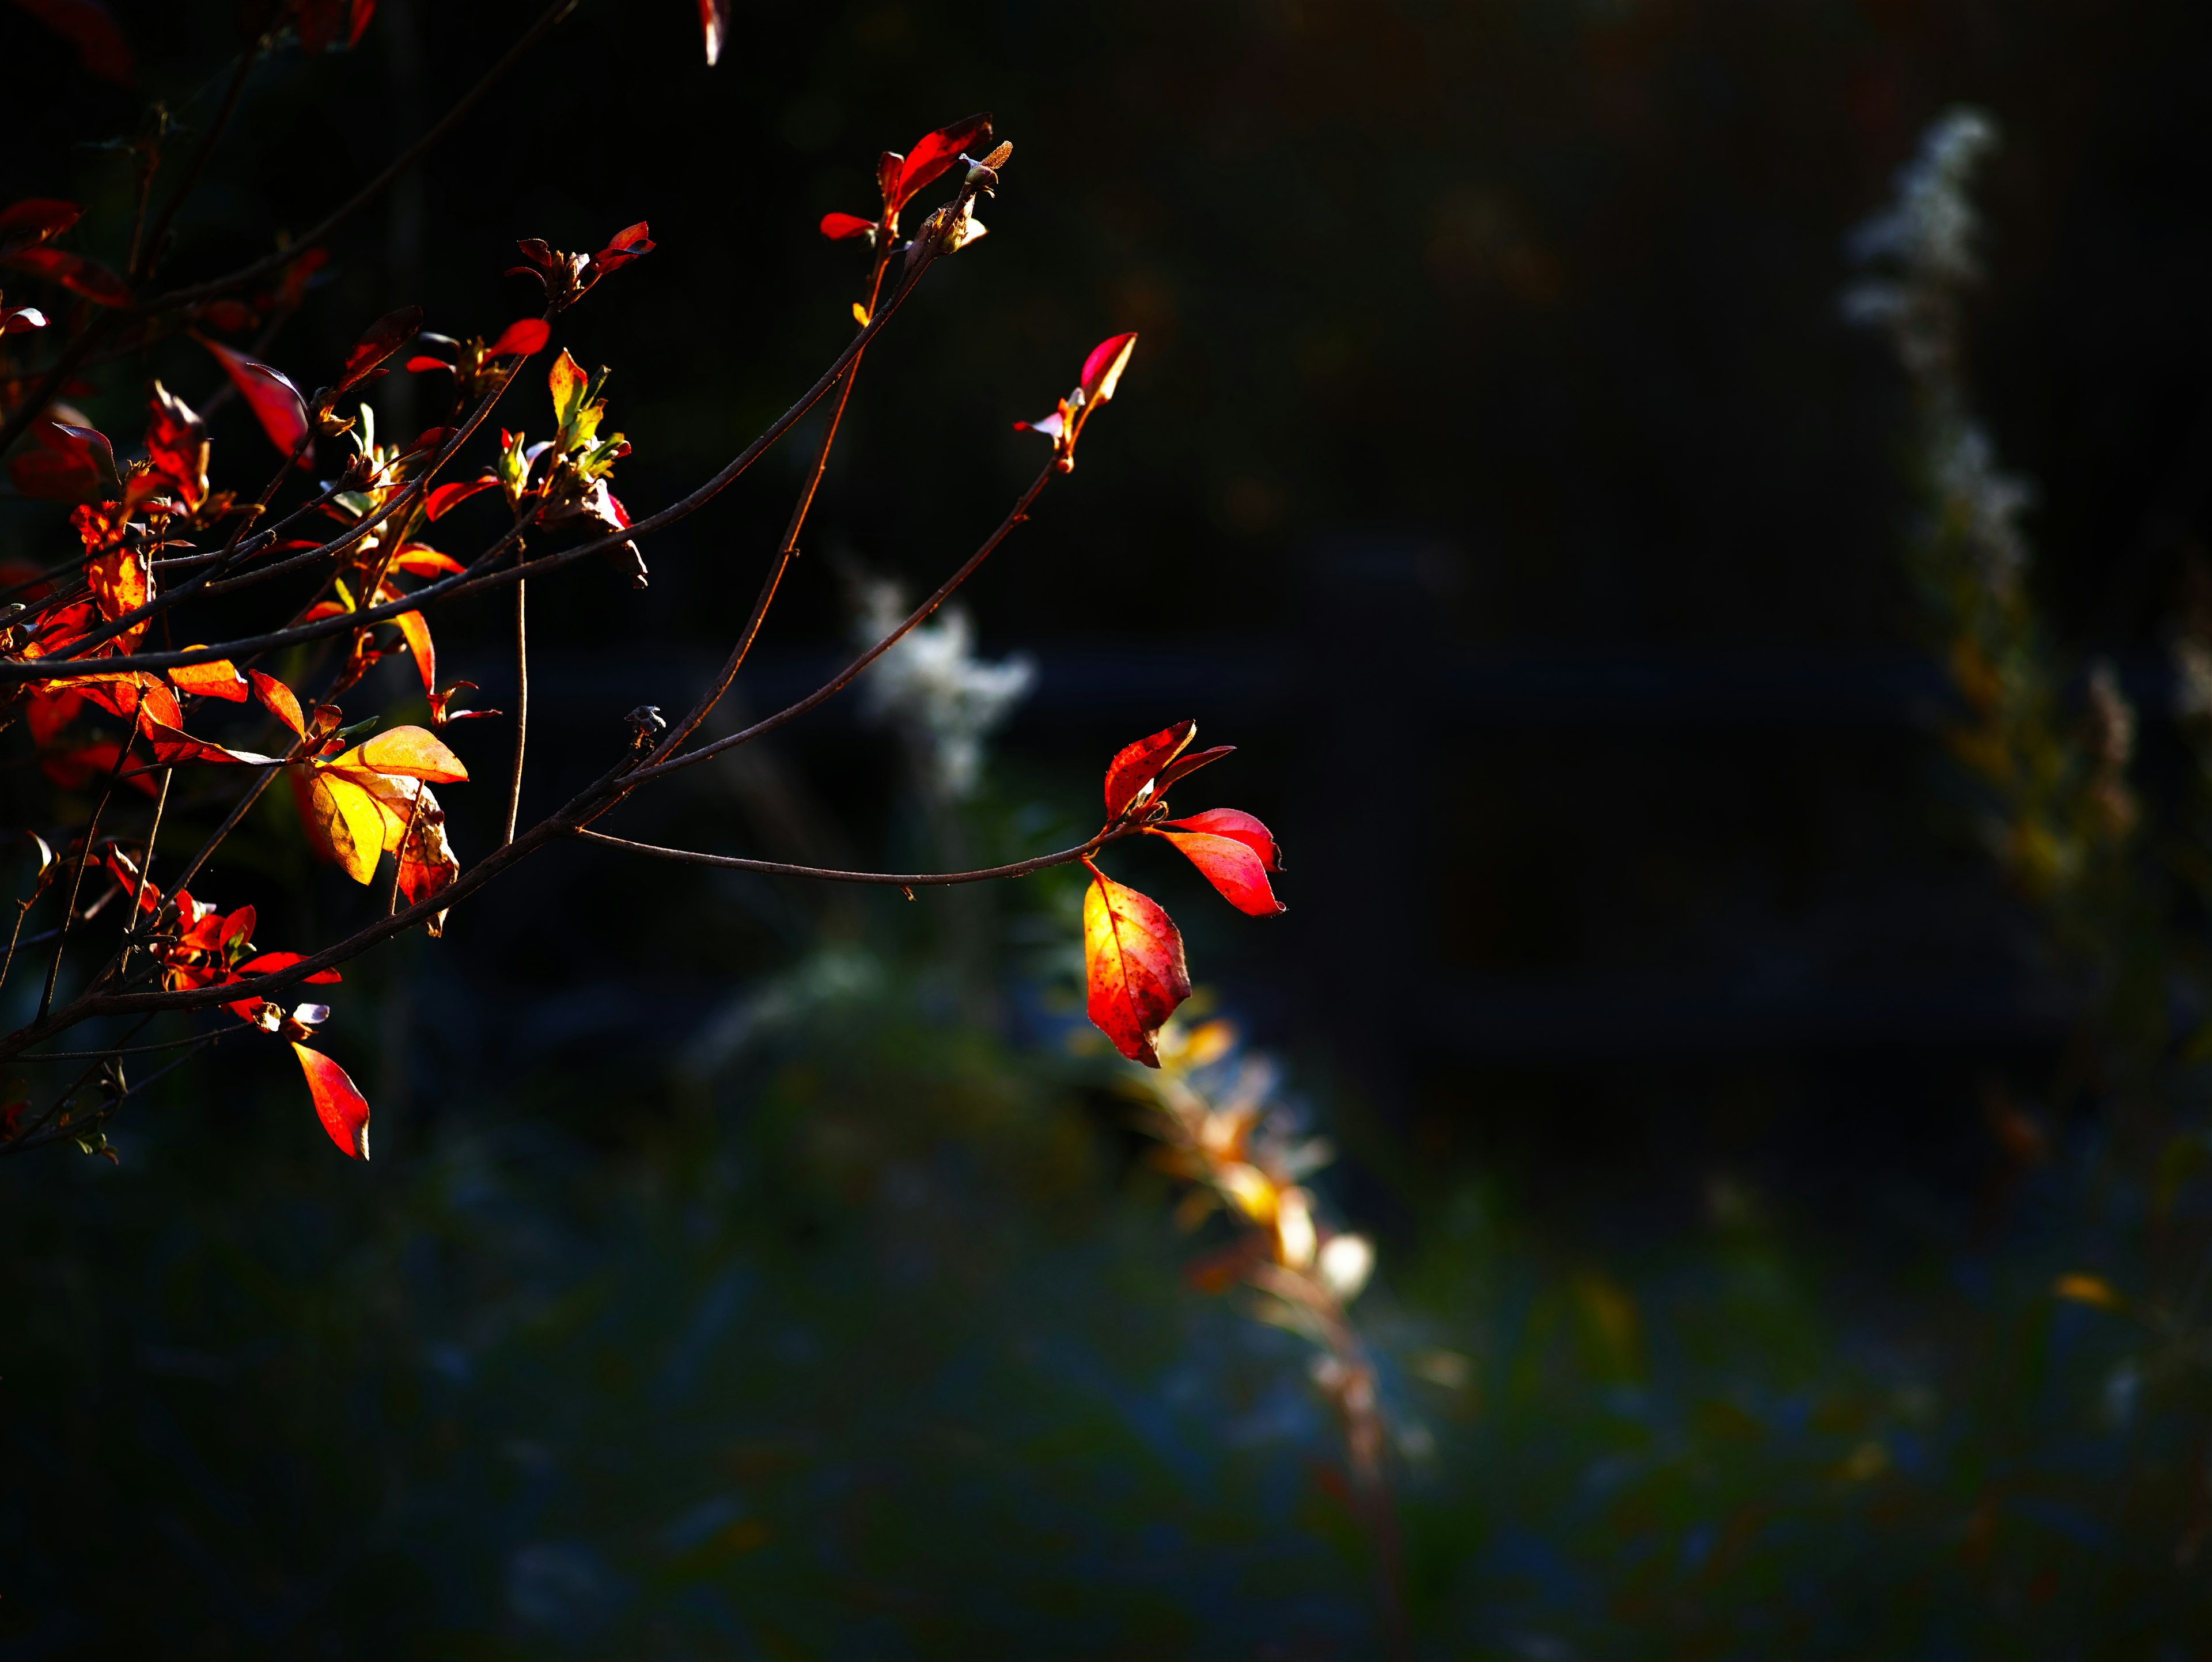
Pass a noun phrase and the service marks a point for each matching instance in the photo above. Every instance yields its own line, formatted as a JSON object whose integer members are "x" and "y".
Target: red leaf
{"x": 70, "y": 464}
{"x": 417, "y": 366}
{"x": 1139, "y": 764}
{"x": 419, "y": 560}
{"x": 35, "y": 219}
{"x": 1134, "y": 962}
{"x": 89, "y": 26}
{"x": 341, "y": 1107}
{"x": 20, "y": 319}
{"x": 417, "y": 632}
{"x": 937, "y": 151}
{"x": 1184, "y": 765}
{"x": 177, "y": 445}
{"x": 1234, "y": 852}
{"x": 74, "y": 272}
{"x": 238, "y": 927}
{"x": 445, "y": 496}
{"x": 524, "y": 336}
{"x": 228, "y": 316}
{"x": 838, "y": 226}
{"x": 276, "y": 403}
{"x": 714, "y": 24}
{"x": 269, "y": 962}
{"x": 385, "y": 336}
{"x": 279, "y": 701}
{"x": 1101, "y": 370}
{"x": 627, "y": 244}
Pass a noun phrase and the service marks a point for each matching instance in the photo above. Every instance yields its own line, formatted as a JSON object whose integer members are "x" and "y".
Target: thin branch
{"x": 888, "y": 879}
{"x": 76, "y": 887}
{"x": 149, "y": 248}
{"x": 521, "y": 706}
{"x": 126, "y": 1051}
{"x": 145, "y": 870}
{"x": 831, "y": 687}
{"x": 471, "y": 582}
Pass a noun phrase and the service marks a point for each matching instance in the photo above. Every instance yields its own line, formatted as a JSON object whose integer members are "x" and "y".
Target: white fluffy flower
{"x": 936, "y": 691}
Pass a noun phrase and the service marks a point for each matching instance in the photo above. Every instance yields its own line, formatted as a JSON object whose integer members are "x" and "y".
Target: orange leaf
{"x": 1133, "y": 959}
{"x": 279, "y": 701}
{"x": 411, "y": 753}
{"x": 338, "y": 1102}
{"x": 419, "y": 560}
{"x": 524, "y": 335}
{"x": 1136, "y": 766}
{"x": 217, "y": 679}
{"x": 418, "y": 641}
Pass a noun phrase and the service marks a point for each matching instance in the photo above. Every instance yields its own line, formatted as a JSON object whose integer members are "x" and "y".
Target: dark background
{"x": 1495, "y": 470}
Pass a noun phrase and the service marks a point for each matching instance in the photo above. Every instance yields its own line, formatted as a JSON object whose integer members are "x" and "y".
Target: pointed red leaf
{"x": 630, "y": 243}
{"x": 714, "y": 25}
{"x": 522, "y": 335}
{"x": 1101, "y": 370}
{"x": 173, "y": 748}
{"x": 1183, "y": 766}
{"x": 1138, "y": 765}
{"x": 1133, "y": 964}
{"x": 74, "y": 272}
{"x": 937, "y": 151}
{"x": 274, "y": 401}
{"x": 385, "y": 336}
{"x": 1234, "y": 852}
{"x": 69, "y": 464}
{"x": 35, "y": 219}
{"x": 269, "y": 962}
{"x": 446, "y": 497}
{"x": 838, "y": 226}
{"x": 341, "y": 1107}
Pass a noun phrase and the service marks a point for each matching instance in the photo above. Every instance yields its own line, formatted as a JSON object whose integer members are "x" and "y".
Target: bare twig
{"x": 76, "y": 884}
{"x": 521, "y": 706}
{"x": 888, "y": 879}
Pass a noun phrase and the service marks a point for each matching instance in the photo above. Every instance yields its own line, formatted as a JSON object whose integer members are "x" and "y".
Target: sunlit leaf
{"x": 1139, "y": 763}
{"x": 338, "y": 1104}
{"x": 67, "y": 464}
{"x": 1234, "y": 852}
{"x": 409, "y": 752}
{"x": 838, "y": 226}
{"x": 217, "y": 679}
{"x": 1133, "y": 964}
{"x": 279, "y": 700}
{"x": 346, "y": 818}
{"x": 524, "y": 336}
{"x": 714, "y": 25}
{"x": 443, "y": 498}
{"x": 417, "y": 633}
{"x": 274, "y": 401}
{"x": 935, "y": 153}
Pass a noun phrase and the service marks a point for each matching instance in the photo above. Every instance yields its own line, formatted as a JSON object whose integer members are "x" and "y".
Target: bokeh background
{"x": 746, "y": 1270}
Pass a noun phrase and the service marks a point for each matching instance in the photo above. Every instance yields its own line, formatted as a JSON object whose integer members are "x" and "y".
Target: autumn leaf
{"x": 274, "y": 401}
{"x": 90, "y": 27}
{"x": 383, "y": 337}
{"x": 935, "y": 153}
{"x": 79, "y": 275}
{"x": 1138, "y": 765}
{"x": 445, "y": 498}
{"x": 1101, "y": 376}
{"x": 838, "y": 226}
{"x": 346, "y": 823}
{"x": 69, "y": 464}
{"x": 20, "y": 319}
{"x": 1134, "y": 965}
{"x": 279, "y": 701}
{"x": 1233, "y": 851}
{"x": 524, "y": 336}
{"x": 173, "y": 748}
{"x": 217, "y": 679}
{"x": 177, "y": 445}
{"x": 417, "y": 633}
{"x": 338, "y": 1102}
{"x": 630, "y": 243}
{"x": 35, "y": 220}
{"x": 409, "y": 753}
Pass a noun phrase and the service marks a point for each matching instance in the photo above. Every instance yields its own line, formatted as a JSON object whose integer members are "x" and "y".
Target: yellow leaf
{"x": 859, "y": 314}
{"x": 347, "y": 816}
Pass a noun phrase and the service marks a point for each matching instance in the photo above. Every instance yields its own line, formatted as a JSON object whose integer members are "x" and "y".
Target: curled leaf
{"x": 383, "y": 337}
{"x": 409, "y": 753}
{"x": 1134, "y": 965}
{"x": 338, "y": 1102}
{"x": 343, "y": 820}
{"x": 446, "y": 497}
